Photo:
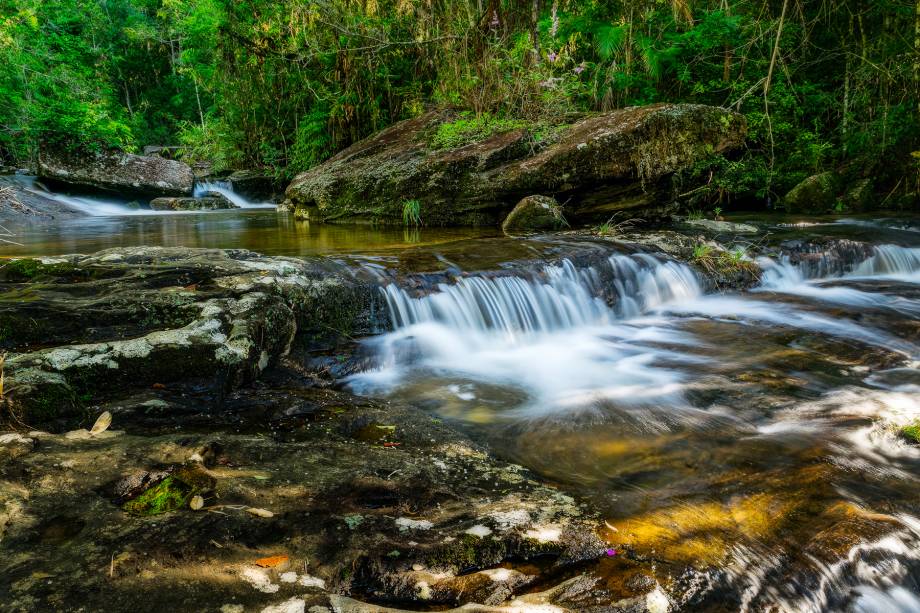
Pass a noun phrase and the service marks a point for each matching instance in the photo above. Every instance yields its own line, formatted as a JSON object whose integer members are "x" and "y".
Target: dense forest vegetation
{"x": 283, "y": 84}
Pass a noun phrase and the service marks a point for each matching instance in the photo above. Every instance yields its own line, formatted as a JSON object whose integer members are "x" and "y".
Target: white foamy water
{"x": 553, "y": 337}
{"x": 888, "y": 263}
{"x": 225, "y": 189}
{"x": 98, "y": 206}
{"x": 630, "y": 345}
{"x": 89, "y": 205}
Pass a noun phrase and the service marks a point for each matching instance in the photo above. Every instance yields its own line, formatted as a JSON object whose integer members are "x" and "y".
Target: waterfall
{"x": 643, "y": 283}
{"x": 891, "y": 261}
{"x": 89, "y": 205}
{"x": 225, "y": 189}
{"x": 884, "y": 262}
{"x": 562, "y": 297}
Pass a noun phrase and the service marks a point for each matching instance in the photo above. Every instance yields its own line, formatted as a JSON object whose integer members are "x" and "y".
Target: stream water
{"x": 754, "y": 431}
{"x": 752, "y": 435}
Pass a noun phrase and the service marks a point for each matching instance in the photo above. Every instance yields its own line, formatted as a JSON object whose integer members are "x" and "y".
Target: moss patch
{"x": 471, "y": 129}
{"x": 169, "y": 494}
{"x": 28, "y": 269}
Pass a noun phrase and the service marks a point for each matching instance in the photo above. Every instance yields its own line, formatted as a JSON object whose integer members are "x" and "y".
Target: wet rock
{"x": 815, "y": 195}
{"x": 599, "y": 165}
{"x": 534, "y": 213}
{"x": 859, "y": 195}
{"x": 163, "y": 491}
{"x": 146, "y": 316}
{"x": 207, "y": 203}
{"x": 720, "y": 226}
{"x": 311, "y": 477}
{"x": 116, "y": 171}
{"x": 14, "y": 445}
{"x": 256, "y": 186}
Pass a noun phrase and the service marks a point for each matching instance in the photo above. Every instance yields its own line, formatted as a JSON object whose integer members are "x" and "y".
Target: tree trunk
{"x": 535, "y": 28}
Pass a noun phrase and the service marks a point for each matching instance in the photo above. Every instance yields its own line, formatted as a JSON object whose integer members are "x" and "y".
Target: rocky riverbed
{"x": 191, "y": 429}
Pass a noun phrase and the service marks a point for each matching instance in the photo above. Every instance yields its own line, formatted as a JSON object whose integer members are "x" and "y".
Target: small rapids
{"x": 225, "y": 189}
{"x": 98, "y": 206}
{"x": 754, "y": 432}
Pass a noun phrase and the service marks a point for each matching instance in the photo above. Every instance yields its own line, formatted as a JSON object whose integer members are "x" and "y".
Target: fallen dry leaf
{"x": 158, "y": 386}
{"x": 260, "y": 512}
{"x": 102, "y": 423}
{"x": 271, "y": 561}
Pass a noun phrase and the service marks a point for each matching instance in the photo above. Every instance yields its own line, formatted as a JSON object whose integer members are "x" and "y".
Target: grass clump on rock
{"x": 911, "y": 433}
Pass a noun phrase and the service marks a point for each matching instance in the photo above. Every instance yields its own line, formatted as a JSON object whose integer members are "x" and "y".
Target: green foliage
{"x": 412, "y": 213}
{"x": 283, "y": 85}
{"x": 471, "y": 129}
{"x": 911, "y": 433}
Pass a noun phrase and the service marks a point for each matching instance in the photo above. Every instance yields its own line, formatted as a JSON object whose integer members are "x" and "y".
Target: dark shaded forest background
{"x": 282, "y": 85}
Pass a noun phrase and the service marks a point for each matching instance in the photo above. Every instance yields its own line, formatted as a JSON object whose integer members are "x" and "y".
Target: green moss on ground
{"x": 170, "y": 494}
{"x": 29, "y": 269}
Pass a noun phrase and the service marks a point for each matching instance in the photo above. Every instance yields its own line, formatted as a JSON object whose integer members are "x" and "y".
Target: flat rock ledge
{"x": 94, "y": 325}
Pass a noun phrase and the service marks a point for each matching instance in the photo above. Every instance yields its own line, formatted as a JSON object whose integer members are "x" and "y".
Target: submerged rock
{"x": 604, "y": 163}
{"x": 534, "y": 213}
{"x": 207, "y": 203}
{"x": 117, "y": 171}
{"x": 315, "y": 478}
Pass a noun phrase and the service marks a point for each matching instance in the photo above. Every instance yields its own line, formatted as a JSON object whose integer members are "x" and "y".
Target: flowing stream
{"x": 745, "y": 443}
{"x": 99, "y": 206}
{"x": 753, "y": 435}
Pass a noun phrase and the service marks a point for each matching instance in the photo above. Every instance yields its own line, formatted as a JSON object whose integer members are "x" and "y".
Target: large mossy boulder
{"x": 534, "y": 213}
{"x": 116, "y": 171}
{"x": 621, "y": 160}
{"x": 815, "y": 195}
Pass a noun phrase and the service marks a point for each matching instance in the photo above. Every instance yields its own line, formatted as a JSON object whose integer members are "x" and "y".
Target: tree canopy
{"x": 283, "y": 84}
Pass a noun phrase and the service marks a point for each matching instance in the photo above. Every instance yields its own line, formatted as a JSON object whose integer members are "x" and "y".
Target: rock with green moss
{"x": 815, "y": 195}
{"x": 601, "y": 164}
{"x": 534, "y": 213}
{"x": 166, "y": 491}
{"x": 859, "y": 196}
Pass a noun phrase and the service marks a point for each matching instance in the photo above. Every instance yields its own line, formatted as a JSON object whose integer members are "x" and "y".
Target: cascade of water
{"x": 642, "y": 283}
{"x": 225, "y": 189}
{"x": 565, "y": 297}
{"x": 891, "y": 261}
{"x": 90, "y": 205}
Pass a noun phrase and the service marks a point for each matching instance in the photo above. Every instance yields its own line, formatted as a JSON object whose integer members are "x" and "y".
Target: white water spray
{"x": 225, "y": 189}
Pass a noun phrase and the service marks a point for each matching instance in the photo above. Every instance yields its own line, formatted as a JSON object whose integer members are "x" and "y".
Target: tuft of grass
{"x": 718, "y": 261}
{"x": 412, "y": 212}
{"x": 694, "y": 214}
{"x": 612, "y": 227}
{"x": 911, "y": 433}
